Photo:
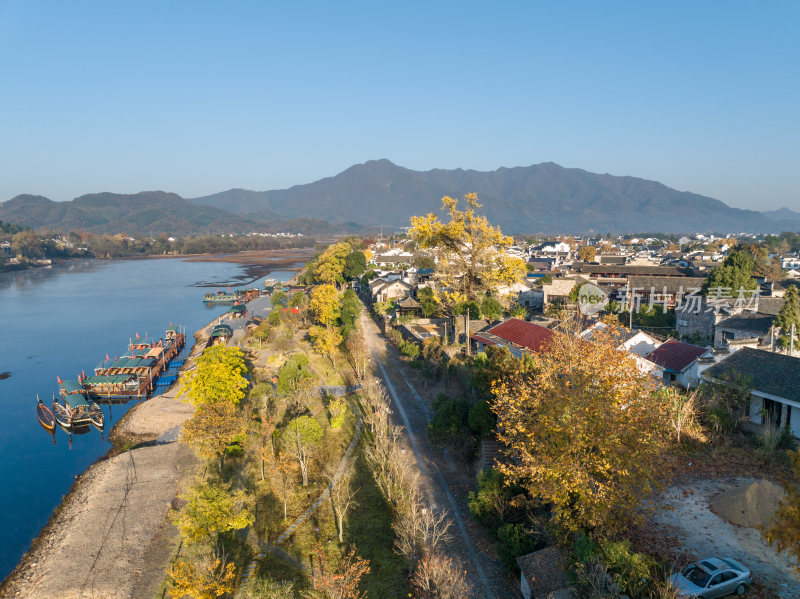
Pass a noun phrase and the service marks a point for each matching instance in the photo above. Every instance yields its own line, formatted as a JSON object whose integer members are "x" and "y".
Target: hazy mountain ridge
{"x": 540, "y": 198}
{"x": 144, "y": 212}
{"x": 543, "y": 198}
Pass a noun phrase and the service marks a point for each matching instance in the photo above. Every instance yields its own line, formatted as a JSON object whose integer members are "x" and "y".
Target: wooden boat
{"x": 45, "y": 415}
{"x": 74, "y": 412}
{"x": 96, "y": 416}
{"x": 61, "y": 416}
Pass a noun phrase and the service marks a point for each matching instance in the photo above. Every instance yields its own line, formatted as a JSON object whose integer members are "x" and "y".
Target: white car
{"x": 711, "y": 578}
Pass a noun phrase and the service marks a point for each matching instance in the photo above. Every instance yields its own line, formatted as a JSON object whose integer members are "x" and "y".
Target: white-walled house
{"x": 774, "y": 383}
{"x": 679, "y": 362}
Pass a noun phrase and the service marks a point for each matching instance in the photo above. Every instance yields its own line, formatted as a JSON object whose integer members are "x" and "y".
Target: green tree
{"x": 788, "y": 316}
{"x": 350, "y": 309}
{"x": 299, "y": 438}
{"x": 294, "y": 374}
{"x": 735, "y": 273}
{"x": 469, "y": 251}
{"x": 354, "y": 265}
{"x": 218, "y": 376}
{"x": 428, "y": 302}
{"x": 471, "y": 307}
{"x": 491, "y": 308}
{"x": 212, "y": 509}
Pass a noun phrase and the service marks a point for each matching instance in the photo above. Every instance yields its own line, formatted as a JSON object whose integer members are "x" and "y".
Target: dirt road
{"x": 441, "y": 480}
{"x": 704, "y": 534}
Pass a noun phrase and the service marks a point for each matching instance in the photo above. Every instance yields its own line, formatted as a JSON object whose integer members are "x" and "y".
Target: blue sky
{"x": 199, "y": 97}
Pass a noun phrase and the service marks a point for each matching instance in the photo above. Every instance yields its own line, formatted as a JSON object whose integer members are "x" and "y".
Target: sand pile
{"x": 750, "y": 504}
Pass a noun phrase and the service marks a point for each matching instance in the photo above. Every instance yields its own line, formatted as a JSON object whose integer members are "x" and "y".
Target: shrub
{"x": 631, "y": 570}
{"x": 395, "y": 337}
{"x": 513, "y": 541}
{"x": 481, "y": 418}
{"x": 409, "y": 349}
{"x": 488, "y": 505}
{"x": 450, "y": 423}
{"x": 337, "y": 410}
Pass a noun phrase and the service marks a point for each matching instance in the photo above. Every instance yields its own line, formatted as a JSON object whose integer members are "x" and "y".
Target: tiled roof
{"x": 764, "y": 371}
{"x": 626, "y": 270}
{"x": 748, "y": 321}
{"x": 545, "y": 570}
{"x": 522, "y": 333}
{"x": 673, "y": 285}
{"x": 676, "y": 355}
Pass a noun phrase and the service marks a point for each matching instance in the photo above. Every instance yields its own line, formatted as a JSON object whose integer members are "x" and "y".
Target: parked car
{"x": 711, "y": 578}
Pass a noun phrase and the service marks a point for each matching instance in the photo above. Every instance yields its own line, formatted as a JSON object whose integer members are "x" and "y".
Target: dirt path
{"x": 704, "y": 534}
{"x": 441, "y": 480}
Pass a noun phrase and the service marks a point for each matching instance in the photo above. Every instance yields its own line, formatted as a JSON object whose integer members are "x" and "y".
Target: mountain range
{"x": 542, "y": 198}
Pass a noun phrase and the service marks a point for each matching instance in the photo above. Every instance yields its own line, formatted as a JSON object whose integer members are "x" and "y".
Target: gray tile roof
{"x": 753, "y": 322}
{"x": 767, "y": 372}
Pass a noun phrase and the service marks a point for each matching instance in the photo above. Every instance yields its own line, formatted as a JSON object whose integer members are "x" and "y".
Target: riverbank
{"x": 110, "y": 536}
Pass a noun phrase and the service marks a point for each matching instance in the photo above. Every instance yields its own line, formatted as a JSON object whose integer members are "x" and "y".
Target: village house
{"x": 772, "y": 380}
{"x": 384, "y": 291}
{"x": 678, "y": 362}
{"x": 519, "y": 336}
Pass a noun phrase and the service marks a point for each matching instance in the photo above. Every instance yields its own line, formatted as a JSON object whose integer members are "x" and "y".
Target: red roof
{"x": 676, "y": 355}
{"x": 519, "y": 332}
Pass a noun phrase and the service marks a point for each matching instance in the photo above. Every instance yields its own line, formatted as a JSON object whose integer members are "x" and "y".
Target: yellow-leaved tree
{"x": 324, "y": 305}
{"x": 469, "y": 251}
{"x": 585, "y": 432}
{"x": 218, "y": 376}
{"x": 330, "y": 265}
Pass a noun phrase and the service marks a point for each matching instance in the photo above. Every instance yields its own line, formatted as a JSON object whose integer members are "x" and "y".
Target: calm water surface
{"x": 57, "y": 322}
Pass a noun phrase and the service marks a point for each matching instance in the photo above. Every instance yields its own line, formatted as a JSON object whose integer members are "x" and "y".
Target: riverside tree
{"x": 324, "y": 305}
{"x": 213, "y": 428}
{"x": 469, "y": 251}
{"x": 585, "y": 432}
{"x": 218, "y": 376}
{"x": 299, "y": 438}
{"x": 211, "y": 509}
{"x": 331, "y": 263}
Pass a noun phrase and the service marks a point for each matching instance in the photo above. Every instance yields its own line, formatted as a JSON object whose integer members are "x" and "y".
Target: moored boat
{"x": 96, "y": 416}
{"x": 61, "y": 415}
{"x": 45, "y": 415}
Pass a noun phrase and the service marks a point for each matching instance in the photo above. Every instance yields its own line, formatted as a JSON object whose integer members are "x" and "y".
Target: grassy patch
{"x": 368, "y": 526}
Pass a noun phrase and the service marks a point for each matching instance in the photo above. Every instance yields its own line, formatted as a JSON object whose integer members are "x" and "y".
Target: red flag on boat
{"x": 83, "y": 374}
{"x": 107, "y": 358}
{"x": 229, "y": 288}
{"x": 115, "y": 357}
{"x": 137, "y": 335}
{"x": 58, "y": 378}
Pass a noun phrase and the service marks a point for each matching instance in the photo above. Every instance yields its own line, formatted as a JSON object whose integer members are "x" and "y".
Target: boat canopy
{"x": 75, "y": 401}
{"x": 72, "y": 387}
{"x": 111, "y": 379}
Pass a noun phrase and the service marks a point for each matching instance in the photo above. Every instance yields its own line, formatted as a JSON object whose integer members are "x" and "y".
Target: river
{"x": 58, "y": 321}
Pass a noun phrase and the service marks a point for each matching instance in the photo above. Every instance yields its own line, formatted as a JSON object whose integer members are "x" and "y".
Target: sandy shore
{"x": 111, "y": 537}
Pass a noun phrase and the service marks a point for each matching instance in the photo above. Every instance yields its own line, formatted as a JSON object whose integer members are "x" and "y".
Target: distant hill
{"x": 787, "y": 220}
{"x": 540, "y": 198}
{"x": 145, "y": 212}
{"x": 543, "y": 198}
